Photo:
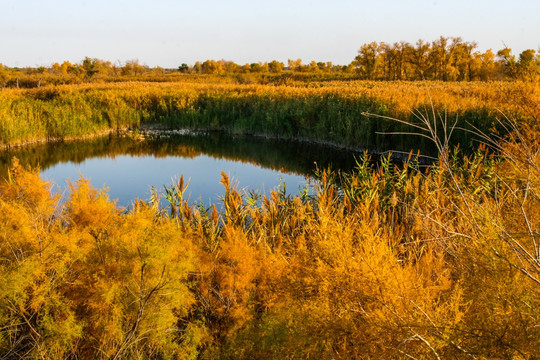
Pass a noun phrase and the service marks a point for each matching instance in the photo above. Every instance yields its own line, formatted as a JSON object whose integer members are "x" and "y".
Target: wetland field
{"x": 356, "y": 256}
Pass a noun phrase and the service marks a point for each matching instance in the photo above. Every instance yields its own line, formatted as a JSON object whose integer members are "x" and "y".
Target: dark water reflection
{"x": 129, "y": 167}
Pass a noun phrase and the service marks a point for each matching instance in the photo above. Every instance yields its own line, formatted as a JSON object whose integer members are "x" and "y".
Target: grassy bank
{"x": 326, "y": 111}
{"x": 393, "y": 263}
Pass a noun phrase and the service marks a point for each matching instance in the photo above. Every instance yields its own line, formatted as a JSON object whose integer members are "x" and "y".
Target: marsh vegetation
{"x": 381, "y": 261}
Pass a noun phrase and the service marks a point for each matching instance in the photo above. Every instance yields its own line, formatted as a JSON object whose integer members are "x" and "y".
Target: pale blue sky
{"x": 168, "y": 33}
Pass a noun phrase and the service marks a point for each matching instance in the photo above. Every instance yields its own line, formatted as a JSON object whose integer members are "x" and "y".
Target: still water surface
{"x": 128, "y": 168}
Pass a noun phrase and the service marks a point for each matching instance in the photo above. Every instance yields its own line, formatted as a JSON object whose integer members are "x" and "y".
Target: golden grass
{"x": 332, "y": 111}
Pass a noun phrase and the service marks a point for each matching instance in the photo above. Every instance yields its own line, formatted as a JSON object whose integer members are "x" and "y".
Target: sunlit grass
{"x": 330, "y": 111}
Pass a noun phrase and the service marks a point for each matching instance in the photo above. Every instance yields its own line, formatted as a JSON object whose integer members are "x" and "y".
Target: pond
{"x": 129, "y": 167}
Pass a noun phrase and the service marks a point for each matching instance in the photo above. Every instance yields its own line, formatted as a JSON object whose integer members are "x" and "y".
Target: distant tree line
{"x": 275, "y": 67}
{"x": 89, "y": 69}
{"x": 445, "y": 59}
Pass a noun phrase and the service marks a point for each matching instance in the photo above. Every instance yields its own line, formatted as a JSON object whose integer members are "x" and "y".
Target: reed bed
{"x": 326, "y": 111}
